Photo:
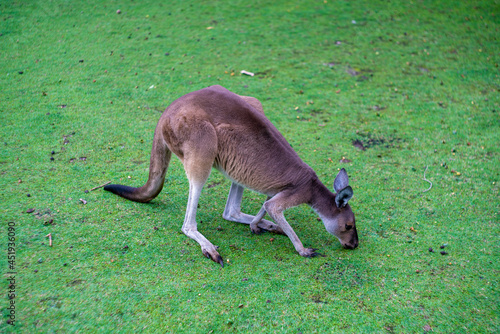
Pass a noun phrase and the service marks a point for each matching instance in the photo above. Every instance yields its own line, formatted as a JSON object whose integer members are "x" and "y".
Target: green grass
{"x": 417, "y": 82}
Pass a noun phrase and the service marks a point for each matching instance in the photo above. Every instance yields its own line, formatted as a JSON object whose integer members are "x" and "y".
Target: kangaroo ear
{"x": 342, "y": 188}
{"x": 343, "y": 197}
{"x": 341, "y": 181}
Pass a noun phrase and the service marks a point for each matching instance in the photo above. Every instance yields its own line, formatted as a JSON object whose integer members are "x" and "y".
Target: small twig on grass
{"x": 50, "y": 239}
{"x": 102, "y": 185}
{"x": 427, "y": 180}
{"x": 247, "y": 73}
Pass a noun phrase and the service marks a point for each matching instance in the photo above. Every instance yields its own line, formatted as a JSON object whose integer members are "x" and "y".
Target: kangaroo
{"x": 215, "y": 128}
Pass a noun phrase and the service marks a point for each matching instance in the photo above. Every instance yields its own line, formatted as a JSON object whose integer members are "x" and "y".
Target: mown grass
{"x": 415, "y": 83}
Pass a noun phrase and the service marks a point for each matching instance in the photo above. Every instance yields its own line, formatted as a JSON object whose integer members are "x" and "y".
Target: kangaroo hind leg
{"x": 199, "y": 155}
{"x": 233, "y": 213}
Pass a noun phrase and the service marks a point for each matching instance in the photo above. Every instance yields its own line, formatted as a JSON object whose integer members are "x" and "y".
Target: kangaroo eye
{"x": 348, "y": 227}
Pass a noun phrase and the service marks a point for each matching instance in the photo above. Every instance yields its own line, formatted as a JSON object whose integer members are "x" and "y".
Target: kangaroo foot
{"x": 211, "y": 253}
{"x": 271, "y": 227}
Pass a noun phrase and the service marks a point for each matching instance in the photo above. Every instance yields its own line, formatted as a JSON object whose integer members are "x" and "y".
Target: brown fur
{"x": 214, "y": 127}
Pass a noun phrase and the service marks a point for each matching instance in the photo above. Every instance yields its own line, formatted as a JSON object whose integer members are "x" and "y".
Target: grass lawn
{"x": 386, "y": 89}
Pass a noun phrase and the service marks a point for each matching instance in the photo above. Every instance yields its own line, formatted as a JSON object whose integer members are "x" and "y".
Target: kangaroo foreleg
{"x": 275, "y": 208}
{"x": 233, "y": 213}
{"x": 256, "y": 220}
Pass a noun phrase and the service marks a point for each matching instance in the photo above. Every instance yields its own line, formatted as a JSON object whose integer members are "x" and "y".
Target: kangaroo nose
{"x": 353, "y": 243}
{"x": 350, "y": 246}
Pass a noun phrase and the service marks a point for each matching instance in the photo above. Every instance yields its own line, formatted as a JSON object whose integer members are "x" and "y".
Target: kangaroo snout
{"x": 350, "y": 246}
{"x": 353, "y": 243}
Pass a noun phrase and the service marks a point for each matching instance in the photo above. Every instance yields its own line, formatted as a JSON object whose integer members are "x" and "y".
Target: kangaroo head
{"x": 339, "y": 219}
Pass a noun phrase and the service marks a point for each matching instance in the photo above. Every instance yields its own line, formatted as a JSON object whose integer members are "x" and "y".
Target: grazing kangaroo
{"x": 214, "y": 127}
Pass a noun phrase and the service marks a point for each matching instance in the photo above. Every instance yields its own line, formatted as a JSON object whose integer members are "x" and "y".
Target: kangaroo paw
{"x": 213, "y": 255}
{"x": 309, "y": 252}
{"x": 256, "y": 229}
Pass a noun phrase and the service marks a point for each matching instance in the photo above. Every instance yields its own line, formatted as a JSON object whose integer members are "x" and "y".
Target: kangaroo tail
{"x": 160, "y": 158}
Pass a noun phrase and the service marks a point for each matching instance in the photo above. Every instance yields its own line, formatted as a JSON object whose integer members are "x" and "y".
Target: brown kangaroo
{"x": 214, "y": 127}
